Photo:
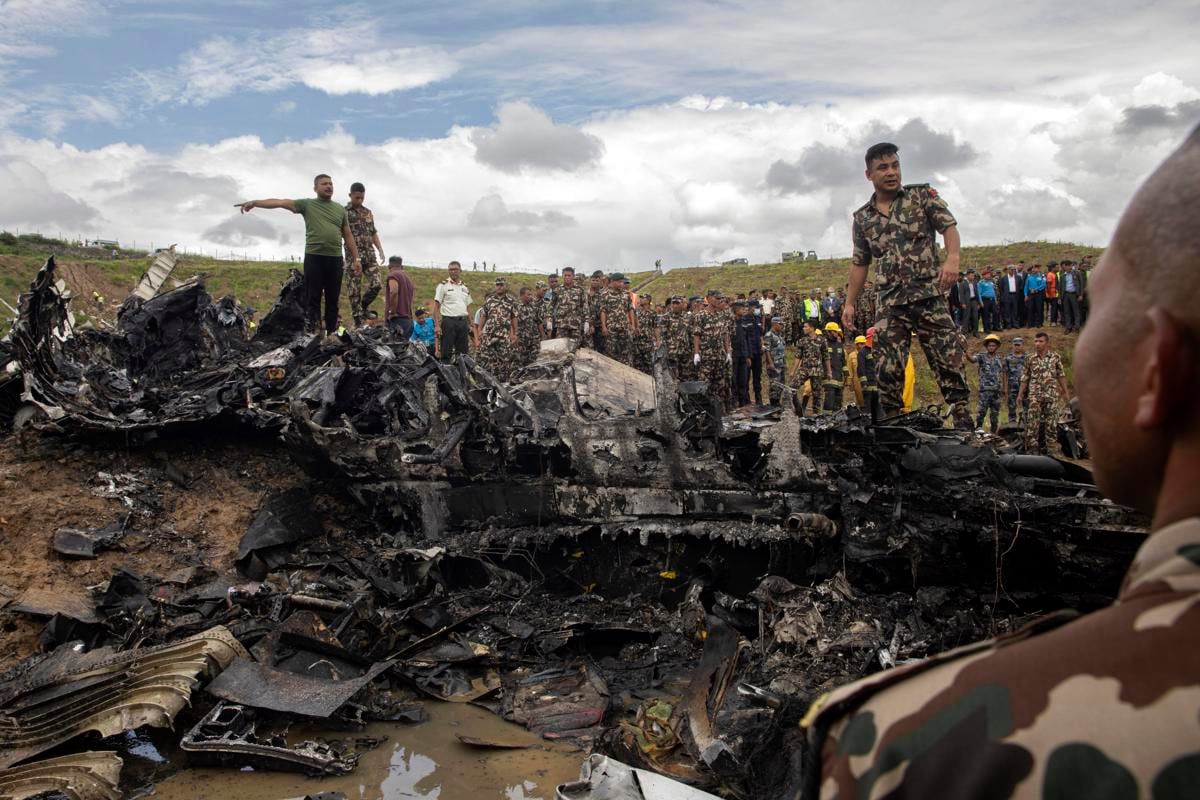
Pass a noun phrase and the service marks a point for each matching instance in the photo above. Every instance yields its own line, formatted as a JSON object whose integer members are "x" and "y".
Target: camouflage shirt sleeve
{"x": 862, "y": 246}
{"x": 937, "y": 210}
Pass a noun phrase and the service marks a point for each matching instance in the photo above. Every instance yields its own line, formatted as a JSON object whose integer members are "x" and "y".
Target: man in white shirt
{"x": 451, "y": 300}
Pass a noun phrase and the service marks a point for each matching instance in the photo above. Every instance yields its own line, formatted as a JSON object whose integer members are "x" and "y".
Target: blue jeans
{"x": 401, "y": 327}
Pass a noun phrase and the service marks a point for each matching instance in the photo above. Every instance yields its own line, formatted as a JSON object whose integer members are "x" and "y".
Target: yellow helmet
{"x": 833, "y": 326}
{"x": 991, "y": 337}
{"x": 860, "y": 339}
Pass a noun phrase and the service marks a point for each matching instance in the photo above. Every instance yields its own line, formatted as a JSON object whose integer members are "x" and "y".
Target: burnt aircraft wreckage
{"x": 591, "y": 552}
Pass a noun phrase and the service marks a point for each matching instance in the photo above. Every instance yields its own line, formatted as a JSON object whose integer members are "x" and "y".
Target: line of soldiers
{"x": 602, "y": 316}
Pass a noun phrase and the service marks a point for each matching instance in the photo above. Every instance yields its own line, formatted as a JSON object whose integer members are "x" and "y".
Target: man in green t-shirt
{"x": 326, "y": 228}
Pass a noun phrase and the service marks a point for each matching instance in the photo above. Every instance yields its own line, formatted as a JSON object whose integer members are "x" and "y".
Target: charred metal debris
{"x": 588, "y": 551}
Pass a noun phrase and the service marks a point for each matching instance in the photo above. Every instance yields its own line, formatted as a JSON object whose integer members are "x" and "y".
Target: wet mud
{"x": 424, "y": 761}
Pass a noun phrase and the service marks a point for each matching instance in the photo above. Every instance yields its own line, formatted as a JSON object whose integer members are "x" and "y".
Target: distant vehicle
{"x": 812, "y": 255}
{"x": 792, "y": 255}
{"x": 105, "y": 243}
{"x": 736, "y": 262}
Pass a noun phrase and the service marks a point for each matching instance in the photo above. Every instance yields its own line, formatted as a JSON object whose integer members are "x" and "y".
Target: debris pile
{"x": 590, "y": 552}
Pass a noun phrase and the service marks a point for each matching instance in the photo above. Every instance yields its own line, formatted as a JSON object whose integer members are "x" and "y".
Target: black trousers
{"x": 1008, "y": 310}
{"x": 1072, "y": 319}
{"x": 990, "y": 320}
{"x": 1035, "y": 304}
{"x": 322, "y": 277}
{"x": 746, "y": 374}
{"x": 455, "y": 337}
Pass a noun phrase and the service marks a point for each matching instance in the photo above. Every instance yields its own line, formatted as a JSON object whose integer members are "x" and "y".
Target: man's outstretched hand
{"x": 848, "y": 317}
{"x": 246, "y": 206}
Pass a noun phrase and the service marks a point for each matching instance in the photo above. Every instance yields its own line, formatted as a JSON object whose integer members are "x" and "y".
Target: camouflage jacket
{"x": 570, "y": 309}
{"x": 645, "y": 320}
{"x": 1014, "y": 367}
{"x": 712, "y": 329}
{"x": 989, "y": 371}
{"x": 499, "y": 310}
{"x": 904, "y": 244}
{"x": 1100, "y": 706}
{"x": 362, "y": 229}
{"x": 529, "y": 324}
{"x": 545, "y": 306}
{"x": 615, "y": 304}
{"x": 810, "y": 355}
{"x": 864, "y": 309}
{"x": 676, "y": 333}
{"x": 1041, "y": 374}
{"x": 593, "y": 307}
{"x": 783, "y": 310}
{"x": 773, "y": 343}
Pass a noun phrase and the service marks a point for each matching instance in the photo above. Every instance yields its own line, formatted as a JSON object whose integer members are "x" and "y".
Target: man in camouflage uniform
{"x": 570, "y": 308}
{"x": 593, "y": 334}
{"x": 812, "y": 366}
{"x": 1044, "y": 382}
{"x": 363, "y": 285}
{"x": 865, "y": 310}
{"x": 644, "y": 339}
{"x": 776, "y": 349}
{"x": 617, "y": 325}
{"x": 529, "y": 327}
{"x": 991, "y": 367}
{"x": 1014, "y": 368}
{"x": 712, "y": 351}
{"x": 498, "y": 336}
{"x": 1104, "y": 706}
{"x": 897, "y": 228}
{"x": 783, "y": 310}
{"x": 675, "y": 331}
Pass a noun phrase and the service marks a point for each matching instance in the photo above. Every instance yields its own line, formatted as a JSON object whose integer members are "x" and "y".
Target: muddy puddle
{"x": 417, "y": 761}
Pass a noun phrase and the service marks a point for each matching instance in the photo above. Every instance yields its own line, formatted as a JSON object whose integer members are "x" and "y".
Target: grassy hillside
{"x": 257, "y": 283}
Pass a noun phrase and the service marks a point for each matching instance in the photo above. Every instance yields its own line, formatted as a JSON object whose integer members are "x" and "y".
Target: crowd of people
{"x": 1022, "y": 297}
{"x": 818, "y": 344}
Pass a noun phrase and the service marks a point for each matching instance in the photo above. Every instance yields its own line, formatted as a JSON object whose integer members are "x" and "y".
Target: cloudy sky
{"x": 603, "y": 133}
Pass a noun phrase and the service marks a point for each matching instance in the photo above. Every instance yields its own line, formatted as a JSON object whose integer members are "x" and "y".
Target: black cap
{"x": 616, "y": 276}
{"x": 712, "y": 293}
{"x": 695, "y": 298}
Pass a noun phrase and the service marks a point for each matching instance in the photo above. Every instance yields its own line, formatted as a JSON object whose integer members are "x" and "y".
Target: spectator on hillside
{"x": 1012, "y": 294}
{"x": 1035, "y": 295}
{"x": 987, "y": 298}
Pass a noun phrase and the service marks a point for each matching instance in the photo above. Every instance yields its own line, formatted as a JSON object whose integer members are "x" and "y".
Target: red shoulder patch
{"x": 933, "y": 192}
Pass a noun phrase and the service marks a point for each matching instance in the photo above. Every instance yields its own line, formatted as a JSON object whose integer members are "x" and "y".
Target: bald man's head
{"x": 1137, "y": 362}
{"x": 1158, "y": 238}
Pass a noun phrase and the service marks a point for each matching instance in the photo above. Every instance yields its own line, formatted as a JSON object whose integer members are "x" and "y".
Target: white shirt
{"x": 768, "y": 305}
{"x": 453, "y": 298}
{"x": 1012, "y": 283}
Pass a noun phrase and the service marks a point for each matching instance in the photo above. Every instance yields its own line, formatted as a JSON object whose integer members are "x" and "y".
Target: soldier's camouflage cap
{"x": 695, "y": 298}
{"x": 500, "y": 281}
{"x": 712, "y": 293}
{"x": 540, "y": 285}
{"x": 776, "y": 321}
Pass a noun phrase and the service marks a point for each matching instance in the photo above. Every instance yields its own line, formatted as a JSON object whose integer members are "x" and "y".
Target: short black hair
{"x": 318, "y": 177}
{"x": 1042, "y": 335}
{"x": 357, "y": 187}
{"x": 880, "y": 150}
{"x": 454, "y": 264}
{"x": 568, "y": 269}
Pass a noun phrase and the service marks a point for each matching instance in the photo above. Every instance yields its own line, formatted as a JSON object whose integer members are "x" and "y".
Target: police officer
{"x": 897, "y": 228}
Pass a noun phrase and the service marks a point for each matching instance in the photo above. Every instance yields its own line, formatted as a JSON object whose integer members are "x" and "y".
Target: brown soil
{"x": 45, "y": 486}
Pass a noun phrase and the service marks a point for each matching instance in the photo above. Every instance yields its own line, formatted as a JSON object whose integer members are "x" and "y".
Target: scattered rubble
{"x": 590, "y": 552}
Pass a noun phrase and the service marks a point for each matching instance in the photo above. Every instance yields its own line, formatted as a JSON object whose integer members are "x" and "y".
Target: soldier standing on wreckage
{"x": 570, "y": 308}
{"x": 677, "y": 335}
{"x": 529, "y": 326}
{"x": 1014, "y": 368}
{"x": 326, "y": 229}
{"x": 711, "y": 348}
{"x": 644, "y": 340}
{"x": 366, "y": 240}
{"x": 897, "y": 229}
{"x": 1044, "y": 382}
{"x": 812, "y": 366}
{"x": 991, "y": 366}
{"x": 498, "y": 335}
{"x": 617, "y": 324}
{"x": 1107, "y": 705}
